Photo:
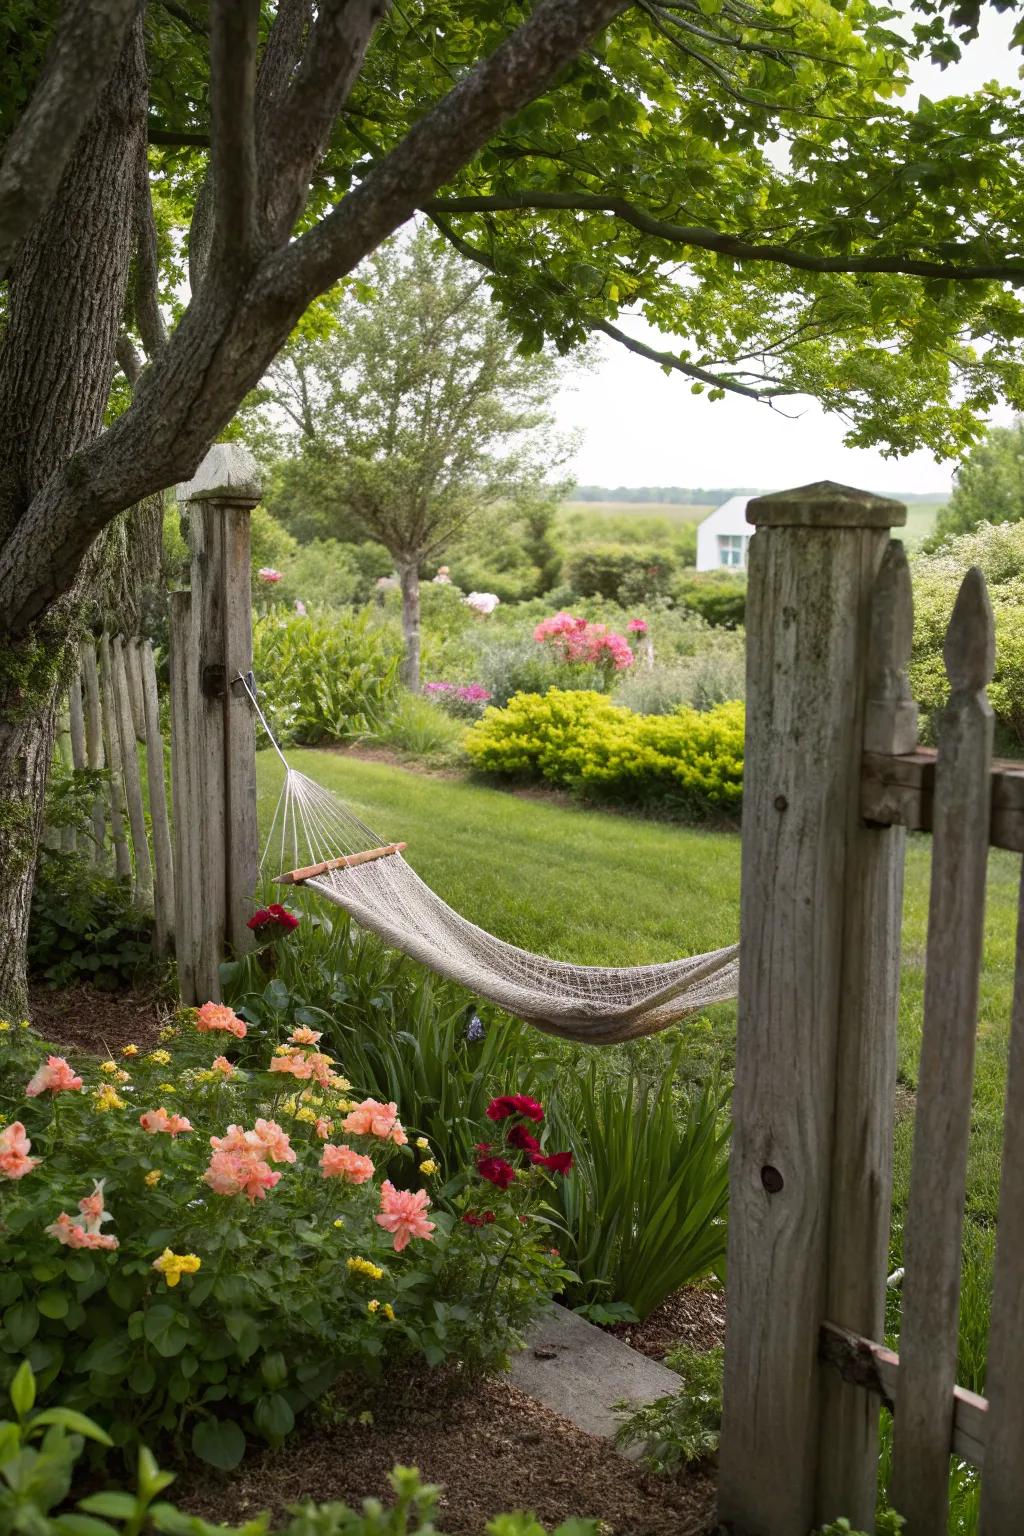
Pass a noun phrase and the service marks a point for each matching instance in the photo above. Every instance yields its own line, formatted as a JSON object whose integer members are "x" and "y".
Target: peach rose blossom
{"x": 343, "y": 1163}
{"x": 54, "y": 1076}
{"x": 403, "y": 1212}
{"x": 14, "y": 1149}
{"x": 157, "y": 1120}
{"x": 371, "y": 1118}
{"x": 221, "y": 1064}
{"x": 304, "y": 1036}
{"x": 294, "y": 1064}
{"x": 213, "y": 1016}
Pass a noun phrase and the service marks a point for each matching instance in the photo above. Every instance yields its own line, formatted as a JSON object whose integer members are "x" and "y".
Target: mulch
{"x": 85, "y": 1018}
{"x": 491, "y": 1448}
{"x": 694, "y": 1316}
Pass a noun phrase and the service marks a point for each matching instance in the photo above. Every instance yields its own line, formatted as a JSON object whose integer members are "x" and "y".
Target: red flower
{"x": 496, "y": 1171}
{"x": 481, "y": 1146}
{"x": 484, "y": 1219}
{"x": 282, "y": 918}
{"x": 520, "y": 1137}
{"x": 558, "y": 1162}
{"x": 514, "y": 1104}
{"x": 259, "y": 919}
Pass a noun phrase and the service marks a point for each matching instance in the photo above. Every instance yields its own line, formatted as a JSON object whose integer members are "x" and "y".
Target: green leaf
{"x": 273, "y": 1416}
{"x": 77, "y": 1423}
{"x": 112, "y": 1502}
{"x": 23, "y": 1390}
{"x": 82, "y": 1525}
{"x": 220, "y": 1442}
{"x": 21, "y": 1323}
{"x": 53, "y": 1303}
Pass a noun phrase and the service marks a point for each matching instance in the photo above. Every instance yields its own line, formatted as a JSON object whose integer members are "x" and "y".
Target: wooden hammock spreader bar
{"x": 345, "y": 861}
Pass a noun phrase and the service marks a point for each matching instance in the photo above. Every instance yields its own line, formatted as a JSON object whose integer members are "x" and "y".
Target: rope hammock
{"x": 335, "y": 854}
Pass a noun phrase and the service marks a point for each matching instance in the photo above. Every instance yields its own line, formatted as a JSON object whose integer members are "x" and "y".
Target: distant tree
{"x": 989, "y": 485}
{"x": 412, "y": 411}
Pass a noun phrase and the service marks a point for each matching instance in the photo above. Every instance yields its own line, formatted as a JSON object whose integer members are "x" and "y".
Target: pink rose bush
{"x": 580, "y": 643}
{"x": 206, "y": 1240}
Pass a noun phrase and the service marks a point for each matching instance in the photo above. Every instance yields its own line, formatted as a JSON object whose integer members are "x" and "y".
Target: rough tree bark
{"x": 409, "y": 576}
{"x": 56, "y": 366}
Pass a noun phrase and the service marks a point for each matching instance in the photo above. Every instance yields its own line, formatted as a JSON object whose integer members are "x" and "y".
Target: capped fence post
{"x": 813, "y": 565}
{"x": 220, "y": 500}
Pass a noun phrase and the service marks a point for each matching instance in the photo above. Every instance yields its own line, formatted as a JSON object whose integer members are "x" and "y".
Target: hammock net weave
{"x": 594, "y": 1004}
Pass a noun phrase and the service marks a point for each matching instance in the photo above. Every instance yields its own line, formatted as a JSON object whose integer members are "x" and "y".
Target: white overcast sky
{"x": 639, "y": 427}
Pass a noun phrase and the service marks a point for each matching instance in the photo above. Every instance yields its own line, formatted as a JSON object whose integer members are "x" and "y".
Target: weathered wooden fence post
{"x": 820, "y": 899}
{"x": 214, "y": 776}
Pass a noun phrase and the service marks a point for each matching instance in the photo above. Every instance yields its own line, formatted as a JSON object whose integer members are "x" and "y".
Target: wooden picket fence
{"x": 113, "y": 707}
{"x": 200, "y": 882}
{"x": 833, "y": 778}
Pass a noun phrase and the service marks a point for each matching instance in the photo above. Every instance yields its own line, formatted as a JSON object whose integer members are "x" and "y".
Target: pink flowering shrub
{"x": 198, "y": 1238}
{"x": 466, "y": 701}
{"x": 581, "y": 643}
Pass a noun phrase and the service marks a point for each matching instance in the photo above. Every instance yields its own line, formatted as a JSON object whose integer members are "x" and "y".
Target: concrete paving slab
{"x": 580, "y": 1371}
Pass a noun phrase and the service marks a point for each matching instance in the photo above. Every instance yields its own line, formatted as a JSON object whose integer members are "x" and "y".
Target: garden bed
{"x": 491, "y": 1447}
{"x": 86, "y": 1018}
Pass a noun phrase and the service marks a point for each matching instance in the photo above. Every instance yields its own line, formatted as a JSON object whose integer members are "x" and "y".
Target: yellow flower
{"x": 428, "y": 1167}
{"x": 173, "y": 1265}
{"x": 168, "y": 1088}
{"x": 340, "y": 1084}
{"x": 373, "y": 1306}
{"x": 4, "y": 1026}
{"x": 25, "y": 1024}
{"x": 153, "y": 1177}
{"x": 111, "y": 1068}
{"x": 422, "y": 1143}
{"x": 285, "y": 1050}
{"x": 340, "y": 1221}
{"x": 107, "y": 1097}
{"x": 162, "y": 1058}
{"x": 358, "y": 1266}
{"x": 306, "y": 1115}
{"x": 129, "y": 1050}
{"x": 168, "y": 1032}
{"x": 389, "y": 1311}
{"x": 344, "y": 1105}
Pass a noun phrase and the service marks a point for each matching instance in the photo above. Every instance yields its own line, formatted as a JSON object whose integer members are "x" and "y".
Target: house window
{"x": 730, "y": 549}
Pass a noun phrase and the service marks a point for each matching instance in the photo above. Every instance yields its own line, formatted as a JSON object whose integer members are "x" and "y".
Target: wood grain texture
{"x": 807, "y": 624}
{"x": 188, "y": 893}
{"x": 133, "y": 673}
{"x": 933, "y": 1227}
{"x": 163, "y": 861}
{"x": 94, "y": 756}
{"x": 143, "y": 881}
{"x": 900, "y": 791}
{"x": 242, "y": 832}
{"x": 112, "y": 756}
{"x": 206, "y": 533}
{"x": 866, "y": 1071}
{"x": 1002, "y": 1486}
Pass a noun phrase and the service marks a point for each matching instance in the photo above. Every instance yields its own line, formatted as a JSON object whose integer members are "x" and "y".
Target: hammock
{"x": 595, "y": 1004}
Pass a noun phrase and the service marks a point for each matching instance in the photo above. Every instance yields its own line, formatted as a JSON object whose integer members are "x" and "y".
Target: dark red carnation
{"x": 520, "y": 1137}
{"x": 482, "y": 1146}
{"x": 481, "y": 1219}
{"x": 281, "y": 917}
{"x": 514, "y": 1104}
{"x": 496, "y": 1171}
{"x": 259, "y": 919}
{"x": 558, "y": 1162}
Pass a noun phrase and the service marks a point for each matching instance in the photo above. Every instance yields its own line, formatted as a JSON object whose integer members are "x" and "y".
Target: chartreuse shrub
{"x": 198, "y": 1239}
{"x": 583, "y": 742}
{"x": 331, "y": 677}
{"x": 39, "y": 1452}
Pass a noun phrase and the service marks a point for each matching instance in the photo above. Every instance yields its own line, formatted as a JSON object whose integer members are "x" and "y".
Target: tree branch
{"x": 81, "y": 60}
{"x": 148, "y": 317}
{"x": 706, "y": 239}
{"x": 297, "y": 122}
{"x": 189, "y": 22}
{"x": 129, "y": 359}
{"x": 178, "y": 138}
{"x": 441, "y": 142}
{"x": 233, "y": 39}
{"x": 670, "y": 360}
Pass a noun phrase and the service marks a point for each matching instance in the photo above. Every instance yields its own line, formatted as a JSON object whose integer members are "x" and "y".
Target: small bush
{"x": 84, "y": 927}
{"x": 625, "y": 573}
{"x": 417, "y": 726}
{"x": 463, "y": 701}
{"x": 680, "y": 1430}
{"x": 328, "y": 677}
{"x": 719, "y": 598}
{"x": 645, "y": 1212}
{"x": 238, "y": 1284}
{"x": 583, "y": 742}
{"x": 714, "y": 674}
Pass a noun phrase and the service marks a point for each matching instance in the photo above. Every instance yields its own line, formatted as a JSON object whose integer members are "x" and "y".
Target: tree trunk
{"x": 409, "y": 575}
{"x": 56, "y": 366}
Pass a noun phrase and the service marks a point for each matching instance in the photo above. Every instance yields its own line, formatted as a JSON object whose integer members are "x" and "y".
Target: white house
{"x": 723, "y": 536}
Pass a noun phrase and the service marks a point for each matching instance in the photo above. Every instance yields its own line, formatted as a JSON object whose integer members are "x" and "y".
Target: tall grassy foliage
{"x": 325, "y": 679}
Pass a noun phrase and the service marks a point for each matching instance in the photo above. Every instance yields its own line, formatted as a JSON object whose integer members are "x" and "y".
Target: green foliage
{"x": 887, "y": 1523}
{"x": 83, "y": 925}
{"x": 331, "y": 677}
{"x": 272, "y": 544}
{"x": 713, "y": 675}
{"x": 624, "y": 573}
{"x": 690, "y": 761}
{"x": 417, "y": 726}
{"x": 719, "y": 598}
{"x": 988, "y": 486}
{"x": 645, "y": 1211}
{"x": 36, "y": 1481}
{"x": 211, "y": 1316}
{"x": 679, "y": 1430}
{"x": 998, "y": 550}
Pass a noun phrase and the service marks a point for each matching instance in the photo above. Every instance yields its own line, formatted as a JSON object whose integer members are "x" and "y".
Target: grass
{"x": 920, "y": 522}
{"x": 672, "y": 512}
